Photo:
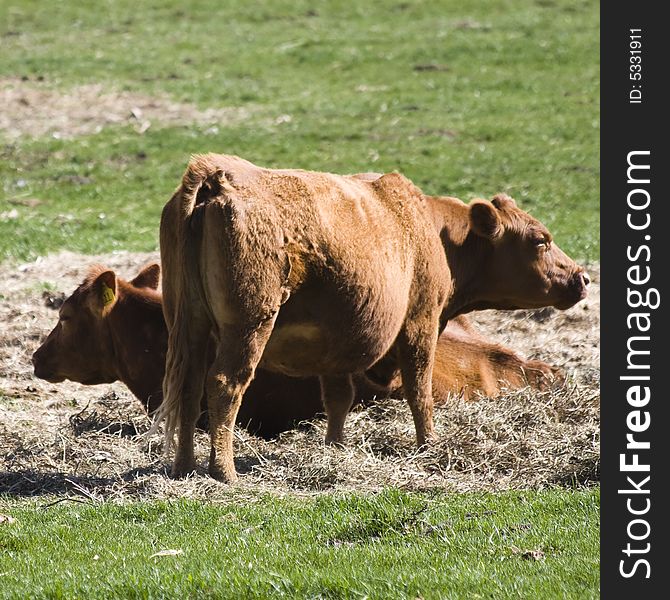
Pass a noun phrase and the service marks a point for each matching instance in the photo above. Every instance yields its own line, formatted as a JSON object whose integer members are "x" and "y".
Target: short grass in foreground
{"x": 389, "y": 545}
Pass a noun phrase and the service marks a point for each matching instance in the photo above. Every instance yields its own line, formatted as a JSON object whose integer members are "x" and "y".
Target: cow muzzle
{"x": 42, "y": 370}
{"x": 580, "y": 281}
{"x": 576, "y": 289}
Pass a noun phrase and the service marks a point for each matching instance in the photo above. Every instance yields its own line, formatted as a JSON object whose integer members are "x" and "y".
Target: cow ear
{"x": 105, "y": 292}
{"x": 501, "y": 201}
{"x": 484, "y": 220}
{"x": 148, "y": 277}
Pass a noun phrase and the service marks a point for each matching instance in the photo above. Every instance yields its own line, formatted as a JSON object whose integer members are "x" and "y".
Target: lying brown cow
{"x": 315, "y": 274}
{"x": 126, "y": 340}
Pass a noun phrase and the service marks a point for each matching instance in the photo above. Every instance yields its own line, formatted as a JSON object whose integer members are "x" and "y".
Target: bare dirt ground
{"x": 69, "y": 440}
{"x": 34, "y": 109}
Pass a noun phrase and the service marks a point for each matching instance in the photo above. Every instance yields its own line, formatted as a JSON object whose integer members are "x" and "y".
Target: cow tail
{"x": 180, "y": 236}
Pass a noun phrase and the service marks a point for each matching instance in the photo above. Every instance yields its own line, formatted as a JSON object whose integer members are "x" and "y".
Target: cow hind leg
{"x": 416, "y": 344}
{"x": 238, "y": 353}
{"x": 337, "y": 395}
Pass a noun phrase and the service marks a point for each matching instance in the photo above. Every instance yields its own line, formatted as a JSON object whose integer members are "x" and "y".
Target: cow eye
{"x": 541, "y": 243}
{"x": 64, "y": 318}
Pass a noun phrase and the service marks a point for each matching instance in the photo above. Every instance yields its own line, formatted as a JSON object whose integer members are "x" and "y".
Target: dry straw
{"x": 84, "y": 443}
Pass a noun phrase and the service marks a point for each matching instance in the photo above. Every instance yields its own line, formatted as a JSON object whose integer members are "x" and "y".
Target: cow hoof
{"x": 222, "y": 474}
{"x": 221, "y": 466}
{"x": 338, "y": 442}
{"x": 179, "y": 471}
{"x": 426, "y": 442}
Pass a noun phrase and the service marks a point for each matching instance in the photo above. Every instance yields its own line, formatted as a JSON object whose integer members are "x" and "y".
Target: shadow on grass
{"x": 26, "y": 483}
{"x": 30, "y": 483}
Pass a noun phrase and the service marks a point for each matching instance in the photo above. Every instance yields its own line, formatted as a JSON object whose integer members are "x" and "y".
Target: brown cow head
{"x": 507, "y": 259}
{"x": 80, "y": 346}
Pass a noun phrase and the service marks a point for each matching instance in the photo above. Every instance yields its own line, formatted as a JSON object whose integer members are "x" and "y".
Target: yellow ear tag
{"x": 107, "y": 295}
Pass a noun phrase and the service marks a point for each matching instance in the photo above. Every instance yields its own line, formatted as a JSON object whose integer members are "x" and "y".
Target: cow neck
{"x": 138, "y": 334}
{"x": 465, "y": 252}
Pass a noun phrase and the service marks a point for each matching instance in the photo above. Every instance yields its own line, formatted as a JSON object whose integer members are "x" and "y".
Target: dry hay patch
{"x": 33, "y": 109}
{"x": 81, "y": 442}
{"x": 522, "y": 440}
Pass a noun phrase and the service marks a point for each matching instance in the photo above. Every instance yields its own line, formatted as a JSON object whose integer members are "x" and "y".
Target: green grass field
{"x": 465, "y": 98}
{"x": 390, "y": 545}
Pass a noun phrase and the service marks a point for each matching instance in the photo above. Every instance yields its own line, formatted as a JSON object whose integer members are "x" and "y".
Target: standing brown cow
{"x": 321, "y": 274}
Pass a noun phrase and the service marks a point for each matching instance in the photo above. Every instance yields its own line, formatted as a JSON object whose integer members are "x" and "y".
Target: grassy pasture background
{"x": 465, "y": 98}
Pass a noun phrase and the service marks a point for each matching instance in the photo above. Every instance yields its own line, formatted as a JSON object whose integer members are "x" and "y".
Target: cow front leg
{"x": 238, "y": 353}
{"x": 416, "y": 345}
{"x": 337, "y": 395}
